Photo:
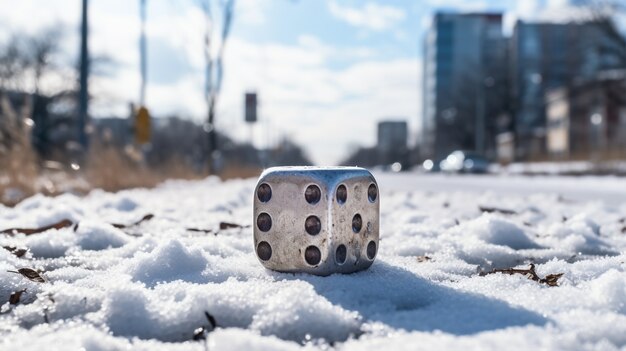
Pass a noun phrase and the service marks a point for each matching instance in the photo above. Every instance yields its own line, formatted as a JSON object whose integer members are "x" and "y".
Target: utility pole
{"x": 142, "y": 51}
{"x": 83, "y": 97}
{"x": 214, "y": 74}
{"x": 142, "y": 124}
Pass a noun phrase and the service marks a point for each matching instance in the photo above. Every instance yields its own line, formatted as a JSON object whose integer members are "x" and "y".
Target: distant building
{"x": 558, "y": 123}
{"x": 392, "y": 135}
{"x": 393, "y": 142}
{"x": 588, "y": 121}
{"x": 464, "y": 81}
{"x": 547, "y": 56}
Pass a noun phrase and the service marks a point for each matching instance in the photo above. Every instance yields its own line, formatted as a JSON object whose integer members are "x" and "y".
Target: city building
{"x": 465, "y": 83}
{"x": 588, "y": 121}
{"x": 392, "y": 143}
{"x": 548, "y": 56}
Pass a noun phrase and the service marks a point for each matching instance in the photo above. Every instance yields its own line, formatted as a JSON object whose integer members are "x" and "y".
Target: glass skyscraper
{"x": 464, "y": 71}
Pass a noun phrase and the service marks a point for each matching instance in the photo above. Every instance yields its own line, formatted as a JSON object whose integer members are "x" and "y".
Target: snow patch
{"x": 93, "y": 235}
{"x": 51, "y": 244}
{"x": 296, "y": 312}
{"x": 498, "y": 231}
{"x": 609, "y": 290}
{"x": 169, "y": 261}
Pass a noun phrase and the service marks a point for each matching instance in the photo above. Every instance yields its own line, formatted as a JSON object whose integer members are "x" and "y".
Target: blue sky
{"x": 326, "y": 70}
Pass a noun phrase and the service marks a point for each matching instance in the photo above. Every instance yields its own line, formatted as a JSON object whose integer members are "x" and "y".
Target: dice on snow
{"x": 317, "y": 220}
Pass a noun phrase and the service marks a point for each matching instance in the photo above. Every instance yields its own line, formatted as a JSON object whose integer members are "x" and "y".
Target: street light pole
{"x": 83, "y": 97}
{"x": 142, "y": 52}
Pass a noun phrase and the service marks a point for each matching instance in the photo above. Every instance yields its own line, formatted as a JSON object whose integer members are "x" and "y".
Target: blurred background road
{"x": 610, "y": 190}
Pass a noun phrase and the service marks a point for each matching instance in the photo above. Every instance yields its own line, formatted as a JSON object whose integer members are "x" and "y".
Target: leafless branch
{"x": 550, "y": 279}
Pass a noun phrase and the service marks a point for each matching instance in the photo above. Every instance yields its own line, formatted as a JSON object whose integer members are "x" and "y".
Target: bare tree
{"x": 42, "y": 48}
{"x": 13, "y": 63}
{"x": 603, "y": 13}
{"x": 24, "y": 61}
{"x": 24, "y": 56}
{"x": 214, "y": 65}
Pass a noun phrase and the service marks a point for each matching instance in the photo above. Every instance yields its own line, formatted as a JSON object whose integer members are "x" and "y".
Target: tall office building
{"x": 547, "y": 56}
{"x": 393, "y": 135}
{"x": 393, "y": 142}
{"x": 464, "y": 79}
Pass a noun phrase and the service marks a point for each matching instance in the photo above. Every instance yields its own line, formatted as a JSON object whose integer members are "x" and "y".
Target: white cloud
{"x": 371, "y": 16}
{"x": 323, "y": 109}
{"x": 251, "y": 12}
{"x": 461, "y": 5}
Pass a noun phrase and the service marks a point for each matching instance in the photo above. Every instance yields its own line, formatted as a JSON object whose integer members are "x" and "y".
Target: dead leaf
{"x": 552, "y": 279}
{"x": 200, "y": 230}
{"x": 14, "y": 250}
{"x": 147, "y": 217}
{"x": 29, "y": 231}
{"x": 227, "y": 225}
{"x": 14, "y": 299}
{"x": 30, "y": 274}
{"x": 202, "y": 332}
{"x": 199, "y": 334}
{"x": 496, "y": 209}
{"x": 211, "y": 319}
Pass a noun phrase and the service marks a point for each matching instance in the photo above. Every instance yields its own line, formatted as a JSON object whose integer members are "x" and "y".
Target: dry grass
{"x": 233, "y": 172}
{"x": 18, "y": 162}
{"x": 112, "y": 169}
{"x": 18, "y": 176}
{"x": 107, "y": 168}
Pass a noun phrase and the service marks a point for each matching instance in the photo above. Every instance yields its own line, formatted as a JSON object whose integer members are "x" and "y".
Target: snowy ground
{"x": 148, "y": 286}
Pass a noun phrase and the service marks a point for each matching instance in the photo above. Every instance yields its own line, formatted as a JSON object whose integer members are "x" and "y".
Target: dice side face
{"x": 303, "y": 219}
{"x": 355, "y": 218}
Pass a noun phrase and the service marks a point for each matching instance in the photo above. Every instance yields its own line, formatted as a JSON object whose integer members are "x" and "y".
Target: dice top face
{"x": 316, "y": 220}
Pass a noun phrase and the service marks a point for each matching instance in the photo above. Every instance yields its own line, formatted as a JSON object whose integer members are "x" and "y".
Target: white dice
{"x": 318, "y": 220}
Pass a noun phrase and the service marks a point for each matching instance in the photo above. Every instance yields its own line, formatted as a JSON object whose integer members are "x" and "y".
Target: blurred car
{"x": 464, "y": 162}
{"x": 431, "y": 166}
{"x": 393, "y": 167}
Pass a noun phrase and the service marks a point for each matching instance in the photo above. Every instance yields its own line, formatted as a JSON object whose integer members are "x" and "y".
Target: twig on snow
{"x": 550, "y": 279}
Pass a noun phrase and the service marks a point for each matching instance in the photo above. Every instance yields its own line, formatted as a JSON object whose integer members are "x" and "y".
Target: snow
{"x": 99, "y": 236}
{"x": 147, "y": 287}
{"x": 563, "y": 167}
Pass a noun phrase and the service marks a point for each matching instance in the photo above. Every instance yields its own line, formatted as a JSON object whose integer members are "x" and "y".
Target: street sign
{"x": 251, "y": 105}
{"x": 142, "y": 126}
